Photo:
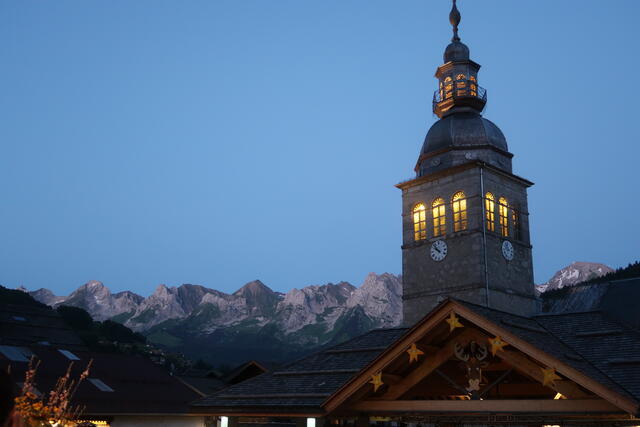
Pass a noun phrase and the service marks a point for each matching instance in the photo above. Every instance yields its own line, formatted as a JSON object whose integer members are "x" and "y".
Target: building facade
{"x": 465, "y": 219}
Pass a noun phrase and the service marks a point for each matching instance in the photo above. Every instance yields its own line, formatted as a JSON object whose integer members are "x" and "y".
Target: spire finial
{"x": 454, "y": 19}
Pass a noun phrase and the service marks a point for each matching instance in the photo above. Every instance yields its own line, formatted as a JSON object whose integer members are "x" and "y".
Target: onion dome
{"x": 463, "y": 130}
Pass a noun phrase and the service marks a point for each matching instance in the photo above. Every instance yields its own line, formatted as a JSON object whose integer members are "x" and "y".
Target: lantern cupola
{"x": 458, "y": 88}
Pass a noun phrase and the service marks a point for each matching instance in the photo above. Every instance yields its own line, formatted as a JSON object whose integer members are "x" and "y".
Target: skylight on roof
{"x": 68, "y": 354}
{"x": 16, "y": 354}
{"x": 100, "y": 385}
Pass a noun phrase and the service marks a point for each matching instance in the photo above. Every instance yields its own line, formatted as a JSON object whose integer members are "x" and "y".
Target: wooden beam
{"x": 492, "y": 406}
{"x": 623, "y": 402}
{"x": 520, "y": 389}
{"x": 427, "y": 366}
{"x": 415, "y": 334}
{"x": 522, "y": 364}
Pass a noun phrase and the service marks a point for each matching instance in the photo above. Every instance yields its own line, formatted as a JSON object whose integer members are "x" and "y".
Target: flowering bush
{"x": 49, "y": 409}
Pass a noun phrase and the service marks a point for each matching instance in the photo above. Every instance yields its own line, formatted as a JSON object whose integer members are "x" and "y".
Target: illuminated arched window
{"x": 448, "y": 87}
{"x": 473, "y": 88}
{"x": 459, "y": 205}
{"x": 461, "y": 85}
{"x": 439, "y": 222}
{"x": 419, "y": 222}
{"x": 503, "y": 208}
{"x": 490, "y": 211}
{"x": 516, "y": 223}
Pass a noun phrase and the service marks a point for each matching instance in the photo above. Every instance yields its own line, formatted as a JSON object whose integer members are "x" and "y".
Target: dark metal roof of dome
{"x": 463, "y": 130}
{"x": 456, "y": 51}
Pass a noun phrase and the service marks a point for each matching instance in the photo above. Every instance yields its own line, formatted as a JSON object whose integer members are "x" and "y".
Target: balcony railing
{"x": 467, "y": 90}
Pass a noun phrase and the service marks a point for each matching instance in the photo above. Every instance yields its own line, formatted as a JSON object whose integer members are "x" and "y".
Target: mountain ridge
{"x": 256, "y": 322}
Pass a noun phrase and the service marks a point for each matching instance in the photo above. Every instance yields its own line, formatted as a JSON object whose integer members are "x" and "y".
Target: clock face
{"x": 507, "y": 250}
{"x": 438, "y": 250}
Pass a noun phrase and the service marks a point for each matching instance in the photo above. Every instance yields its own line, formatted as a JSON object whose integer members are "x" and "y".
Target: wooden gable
{"x": 457, "y": 361}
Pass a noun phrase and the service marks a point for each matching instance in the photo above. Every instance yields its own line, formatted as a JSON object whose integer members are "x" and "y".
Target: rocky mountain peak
{"x": 45, "y": 296}
{"x": 260, "y": 298}
{"x": 255, "y": 288}
{"x": 573, "y": 274}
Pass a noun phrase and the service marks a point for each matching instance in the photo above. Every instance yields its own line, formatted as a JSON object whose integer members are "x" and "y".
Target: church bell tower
{"x": 465, "y": 220}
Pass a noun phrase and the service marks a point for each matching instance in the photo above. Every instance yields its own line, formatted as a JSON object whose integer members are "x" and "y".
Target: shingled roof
{"x": 25, "y": 325}
{"x": 130, "y": 384}
{"x": 304, "y": 385}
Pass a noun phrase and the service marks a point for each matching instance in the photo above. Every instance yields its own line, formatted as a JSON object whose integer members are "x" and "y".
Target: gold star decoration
{"x": 454, "y": 322}
{"x": 549, "y": 376}
{"x": 414, "y": 352}
{"x": 376, "y": 380}
{"x": 497, "y": 344}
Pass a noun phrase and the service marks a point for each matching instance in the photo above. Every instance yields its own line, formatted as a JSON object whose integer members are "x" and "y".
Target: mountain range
{"x": 254, "y": 321}
{"x": 257, "y": 322}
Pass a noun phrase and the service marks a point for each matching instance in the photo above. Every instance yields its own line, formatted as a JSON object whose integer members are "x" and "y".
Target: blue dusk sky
{"x": 217, "y": 142}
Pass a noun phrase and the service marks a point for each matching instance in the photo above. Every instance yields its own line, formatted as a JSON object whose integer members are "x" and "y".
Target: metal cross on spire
{"x": 454, "y": 19}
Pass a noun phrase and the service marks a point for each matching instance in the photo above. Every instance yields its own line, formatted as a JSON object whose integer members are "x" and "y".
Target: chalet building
{"x": 476, "y": 351}
{"x": 121, "y": 389}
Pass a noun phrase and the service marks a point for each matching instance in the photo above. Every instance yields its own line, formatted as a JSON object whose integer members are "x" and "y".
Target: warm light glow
{"x": 224, "y": 421}
{"x": 448, "y": 87}
{"x": 461, "y": 84}
{"x": 95, "y": 422}
{"x": 504, "y": 216}
{"x": 439, "y": 221}
{"x": 490, "y": 209}
{"x": 311, "y": 422}
{"x": 419, "y": 222}
{"x": 459, "y": 204}
{"x": 515, "y": 223}
{"x": 559, "y": 396}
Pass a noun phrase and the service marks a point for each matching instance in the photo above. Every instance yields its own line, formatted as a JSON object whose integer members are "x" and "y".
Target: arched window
{"x": 490, "y": 211}
{"x": 419, "y": 222}
{"x": 448, "y": 87}
{"x": 459, "y": 205}
{"x": 504, "y": 216}
{"x": 473, "y": 88}
{"x": 439, "y": 223}
{"x": 516, "y": 223}
{"x": 461, "y": 85}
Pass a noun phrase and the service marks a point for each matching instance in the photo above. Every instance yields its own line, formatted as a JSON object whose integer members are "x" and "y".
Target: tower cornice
{"x": 456, "y": 169}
